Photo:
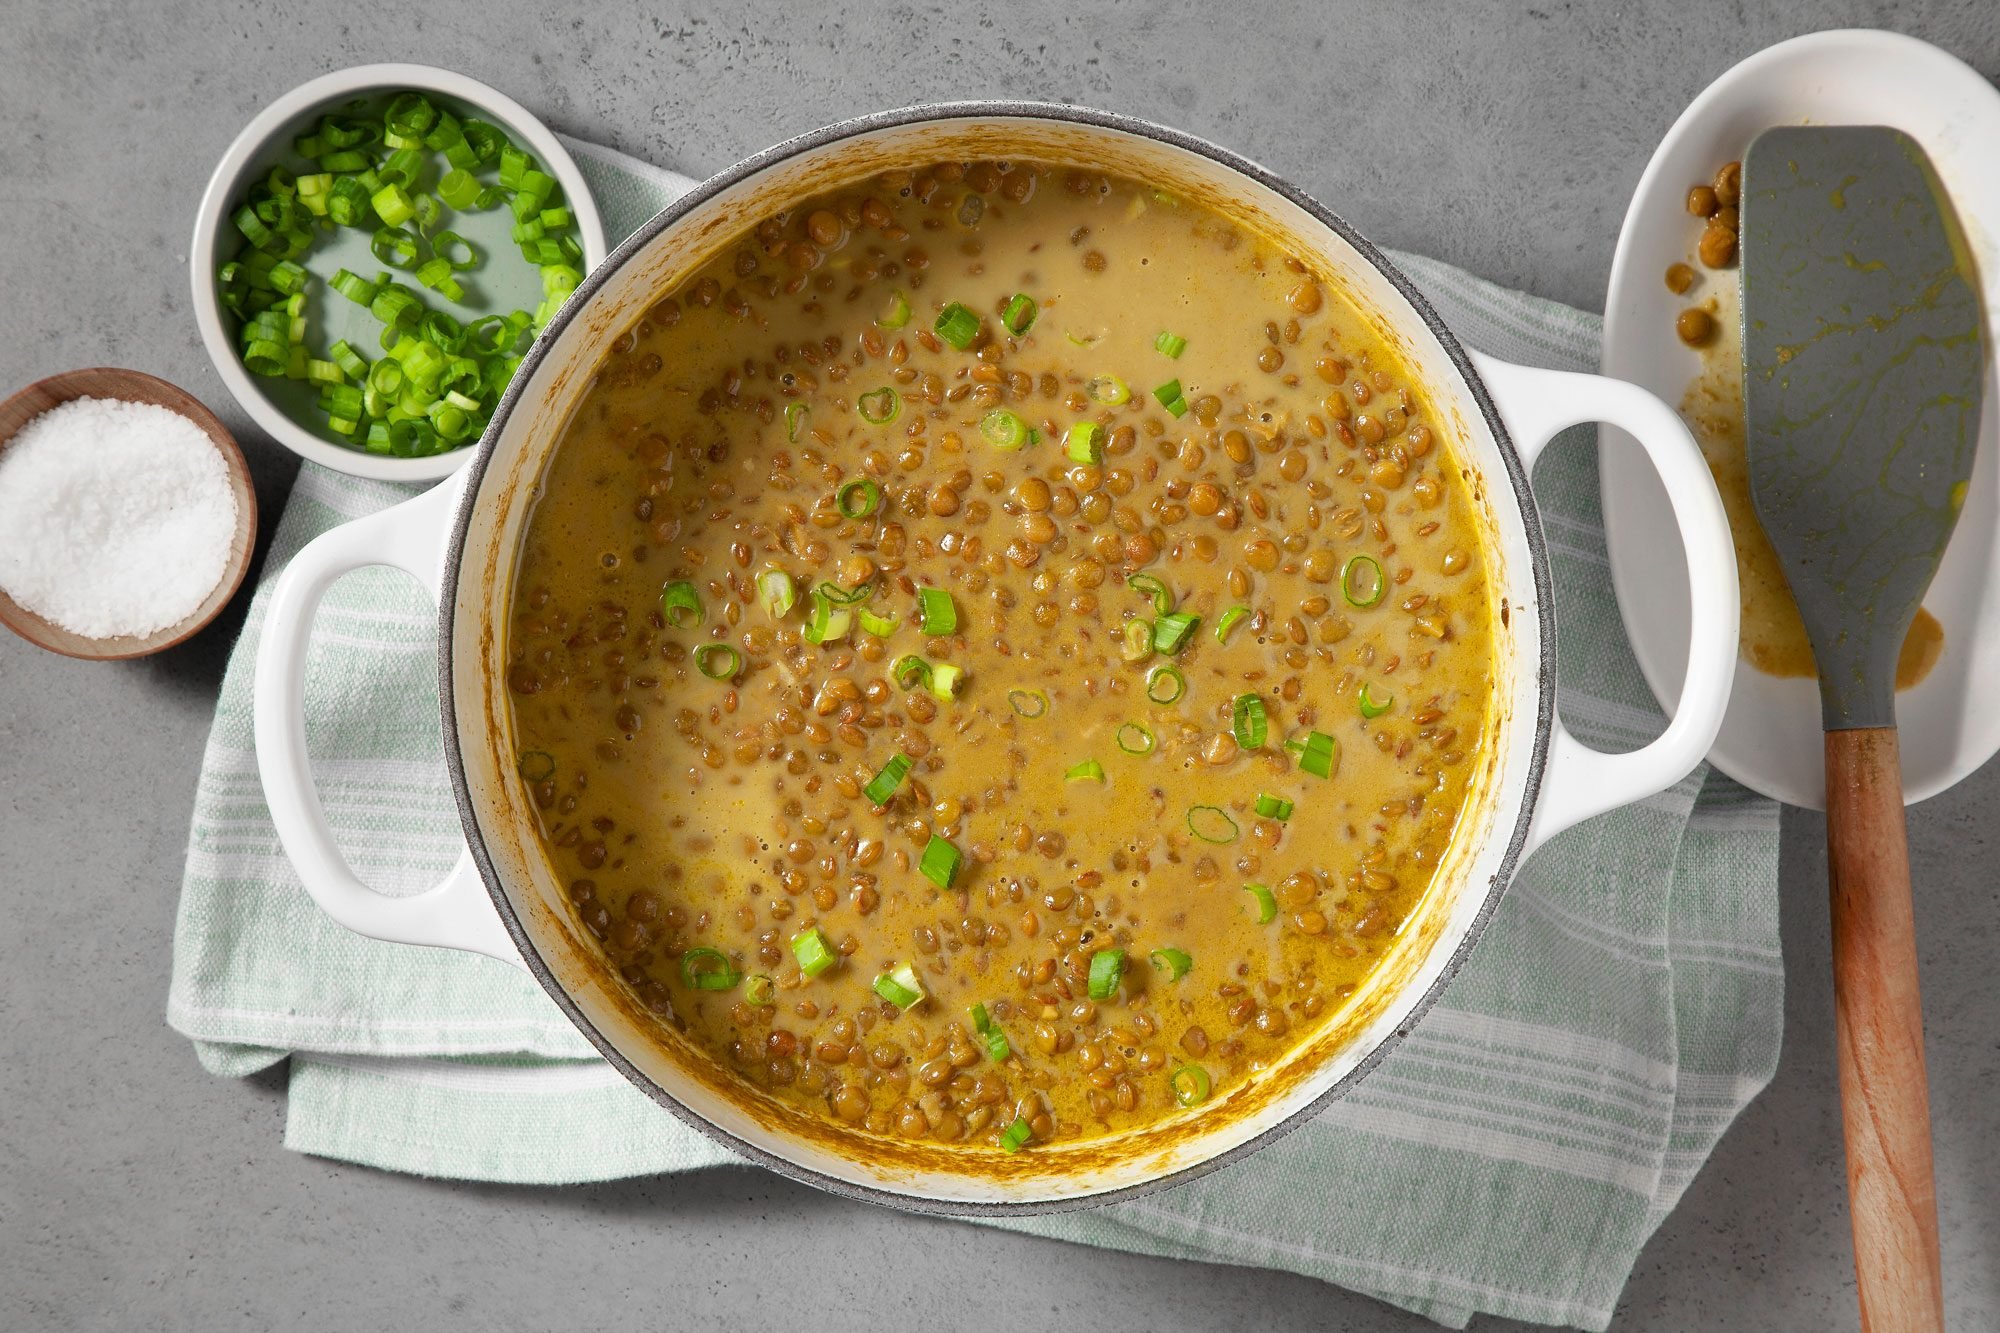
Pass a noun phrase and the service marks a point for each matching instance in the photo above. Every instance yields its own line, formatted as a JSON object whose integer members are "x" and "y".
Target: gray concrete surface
{"x": 135, "y": 1191}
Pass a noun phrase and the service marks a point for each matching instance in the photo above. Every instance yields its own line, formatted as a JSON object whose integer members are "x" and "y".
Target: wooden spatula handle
{"x": 1885, "y": 1102}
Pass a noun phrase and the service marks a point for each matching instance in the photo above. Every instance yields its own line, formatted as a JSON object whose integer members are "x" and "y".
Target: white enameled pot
{"x": 503, "y": 900}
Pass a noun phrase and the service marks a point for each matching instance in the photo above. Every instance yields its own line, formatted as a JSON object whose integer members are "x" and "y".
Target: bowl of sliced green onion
{"x": 373, "y": 256}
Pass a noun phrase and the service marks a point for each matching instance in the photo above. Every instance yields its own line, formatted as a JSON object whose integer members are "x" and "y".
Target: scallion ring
{"x": 776, "y": 593}
{"x": 1003, "y": 429}
{"x": 1248, "y": 721}
{"x": 1171, "y": 963}
{"x": 1107, "y": 970}
{"x": 1172, "y": 631}
{"x": 1085, "y": 443}
{"x": 1019, "y": 316}
{"x": 1016, "y": 1136}
{"x": 535, "y": 765}
{"x": 1136, "y": 739}
{"x": 1371, "y": 706}
{"x": 937, "y": 613}
{"x": 1191, "y": 1085}
{"x": 895, "y": 314}
{"x": 879, "y": 407}
{"x": 901, "y": 987}
{"x": 1171, "y": 397}
{"x": 940, "y": 861}
{"x": 813, "y": 953}
{"x": 1109, "y": 390}
{"x": 795, "y": 416}
{"x": 957, "y": 326}
{"x": 679, "y": 602}
{"x": 761, "y": 991}
{"x": 1317, "y": 753}
{"x": 1227, "y": 621}
{"x": 880, "y": 626}
{"x": 1170, "y": 345}
{"x": 857, "y": 498}
{"x": 1267, "y": 902}
{"x": 1212, "y": 824}
{"x": 1138, "y": 637}
{"x": 718, "y": 661}
{"x": 1273, "y": 807}
{"x": 883, "y": 785}
{"x": 708, "y": 969}
{"x": 1087, "y": 771}
{"x": 1361, "y": 581}
{"x": 1165, "y": 684}
{"x": 1029, "y": 703}
{"x": 1151, "y": 585}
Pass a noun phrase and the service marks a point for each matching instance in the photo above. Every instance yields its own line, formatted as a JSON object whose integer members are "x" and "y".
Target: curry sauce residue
{"x": 1773, "y": 636}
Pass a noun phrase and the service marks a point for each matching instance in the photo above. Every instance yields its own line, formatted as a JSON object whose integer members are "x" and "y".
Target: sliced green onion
{"x": 1087, "y": 771}
{"x": 1151, "y": 585}
{"x": 455, "y": 250}
{"x": 1170, "y": 344}
{"x": 1109, "y": 390}
{"x": 1172, "y": 630}
{"x": 1029, "y": 703}
{"x": 840, "y": 596}
{"x": 1107, "y": 969}
{"x": 760, "y": 990}
{"x": 1171, "y": 398}
{"x": 396, "y": 247}
{"x": 1191, "y": 1085}
{"x": 1017, "y": 1135}
{"x": 1019, "y": 314}
{"x": 681, "y": 605}
{"x": 1085, "y": 443}
{"x": 813, "y": 953}
{"x": 1317, "y": 753}
{"x": 998, "y": 1048}
{"x": 829, "y": 623}
{"x": 1003, "y": 429}
{"x": 1138, "y": 640}
{"x": 883, "y": 785}
{"x": 910, "y": 671}
{"x": 1371, "y": 706}
{"x": 896, "y": 314}
{"x": 1267, "y": 902}
{"x": 879, "y": 407}
{"x": 776, "y": 593}
{"x": 940, "y": 862}
{"x": 901, "y": 987}
{"x": 536, "y": 765}
{"x": 957, "y": 326}
{"x": 944, "y": 681}
{"x": 1227, "y": 621}
{"x": 1165, "y": 684}
{"x": 1273, "y": 807}
{"x": 936, "y": 611}
{"x": 1248, "y": 720}
{"x": 1173, "y": 963}
{"x": 795, "y": 415}
{"x": 880, "y": 626}
{"x": 1212, "y": 824}
{"x": 1136, "y": 739}
{"x": 857, "y": 498}
{"x": 354, "y": 287}
{"x": 718, "y": 661}
{"x": 1361, "y": 581}
{"x": 708, "y": 969}
{"x": 393, "y": 205}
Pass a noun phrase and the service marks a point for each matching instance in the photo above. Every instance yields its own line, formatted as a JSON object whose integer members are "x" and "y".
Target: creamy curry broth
{"x": 707, "y": 827}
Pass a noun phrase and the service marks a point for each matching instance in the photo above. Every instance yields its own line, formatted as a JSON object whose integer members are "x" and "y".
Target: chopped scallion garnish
{"x": 1191, "y": 1085}
{"x": 883, "y": 785}
{"x": 1361, "y": 581}
{"x": 1267, "y": 902}
{"x": 1003, "y": 429}
{"x": 940, "y": 862}
{"x": 1107, "y": 969}
{"x": 1317, "y": 753}
{"x": 718, "y": 661}
{"x": 880, "y": 626}
{"x": 1165, "y": 684}
{"x": 1087, "y": 771}
{"x": 1172, "y": 631}
{"x": 1029, "y": 703}
{"x": 901, "y": 987}
{"x": 1085, "y": 443}
{"x": 1020, "y": 313}
{"x": 1370, "y": 705}
{"x": 681, "y": 604}
{"x": 1138, "y": 640}
{"x": 535, "y": 766}
{"x": 957, "y": 326}
{"x": 857, "y": 498}
{"x": 1016, "y": 1135}
{"x": 1109, "y": 390}
{"x": 879, "y": 407}
{"x": 708, "y": 969}
{"x": 937, "y": 612}
{"x": 813, "y": 953}
{"x": 997, "y": 1046}
{"x": 1227, "y": 621}
{"x": 795, "y": 416}
{"x": 1134, "y": 738}
{"x": 829, "y": 623}
{"x": 1248, "y": 720}
{"x": 1170, "y": 345}
{"x": 1171, "y": 963}
{"x": 940, "y": 678}
{"x": 1151, "y": 585}
{"x": 1273, "y": 807}
{"x": 761, "y": 991}
{"x": 1212, "y": 824}
{"x": 896, "y": 313}
{"x": 1171, "y": 397}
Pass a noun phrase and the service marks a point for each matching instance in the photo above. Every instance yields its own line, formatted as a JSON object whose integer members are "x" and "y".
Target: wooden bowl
{"x": 132, "y": 386}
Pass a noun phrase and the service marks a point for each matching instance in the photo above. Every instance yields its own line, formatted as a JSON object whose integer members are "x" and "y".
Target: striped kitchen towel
{"x": 1510, "y": 1157}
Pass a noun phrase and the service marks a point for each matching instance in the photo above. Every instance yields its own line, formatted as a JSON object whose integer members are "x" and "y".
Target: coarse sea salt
{"x": 115, "y": 518}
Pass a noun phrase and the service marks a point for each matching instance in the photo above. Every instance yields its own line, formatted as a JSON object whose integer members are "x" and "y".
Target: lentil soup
{"x": 999, "y": 654}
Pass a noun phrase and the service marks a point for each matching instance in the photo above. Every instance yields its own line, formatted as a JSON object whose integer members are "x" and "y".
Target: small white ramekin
{"x": 279, "y": 122}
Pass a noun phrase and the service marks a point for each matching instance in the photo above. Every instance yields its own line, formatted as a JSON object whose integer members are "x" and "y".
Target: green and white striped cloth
{"x": 1510, "y": 1157}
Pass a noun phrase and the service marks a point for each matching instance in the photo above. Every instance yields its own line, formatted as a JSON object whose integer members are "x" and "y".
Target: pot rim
{"x": 474, "y": 474}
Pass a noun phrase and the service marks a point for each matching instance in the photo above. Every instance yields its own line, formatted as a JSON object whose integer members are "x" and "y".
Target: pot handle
{"x": 1536, "y": 406}
{"x": 455, "y": 913}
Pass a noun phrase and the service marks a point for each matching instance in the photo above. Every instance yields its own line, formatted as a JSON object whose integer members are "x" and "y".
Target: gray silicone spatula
{"x": 1863, "y": 363}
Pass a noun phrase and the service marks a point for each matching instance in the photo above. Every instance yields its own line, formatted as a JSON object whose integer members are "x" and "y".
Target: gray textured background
{"x": 137, "y": 1191}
